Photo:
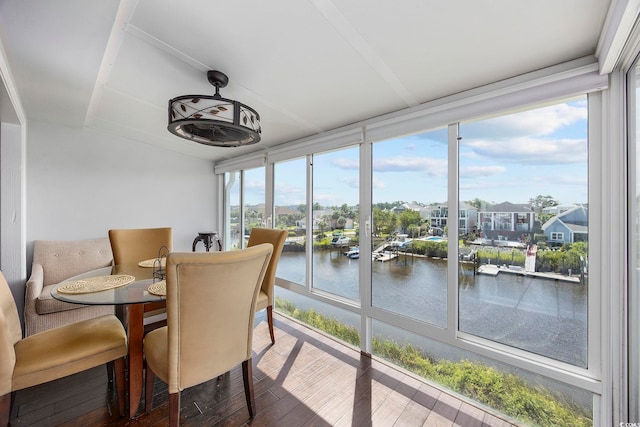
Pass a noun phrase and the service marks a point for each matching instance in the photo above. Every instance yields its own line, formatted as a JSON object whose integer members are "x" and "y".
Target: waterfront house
{"x": 439, "y": 214}
{"x": 508, "y": 221}
{"x": 84, "y": 148}
{"x": 568, "y": 227}
{"x": 558, "y": 209}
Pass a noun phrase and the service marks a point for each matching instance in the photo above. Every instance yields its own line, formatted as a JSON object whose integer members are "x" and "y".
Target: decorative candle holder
{"x": 159, "y": 271}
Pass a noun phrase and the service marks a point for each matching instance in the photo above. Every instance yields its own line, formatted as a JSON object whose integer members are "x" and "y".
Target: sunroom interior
{"x": 498, "y": 124}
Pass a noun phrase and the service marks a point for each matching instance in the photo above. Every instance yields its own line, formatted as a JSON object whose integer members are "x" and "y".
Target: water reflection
{"x": 546, "y": 317}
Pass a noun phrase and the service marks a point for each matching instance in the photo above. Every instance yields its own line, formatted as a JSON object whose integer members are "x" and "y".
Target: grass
{"x": 502, "y": 391}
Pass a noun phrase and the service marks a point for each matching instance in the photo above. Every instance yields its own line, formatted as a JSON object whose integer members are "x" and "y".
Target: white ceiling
{"x": 306, "y": 66}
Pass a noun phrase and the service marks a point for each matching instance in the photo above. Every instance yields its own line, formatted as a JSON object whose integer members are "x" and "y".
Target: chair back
{"x": 211, "y": 301}
{"x": 133, "y": 245}
{"x": 10, "y": 334}
{"x": 276, "y": 238}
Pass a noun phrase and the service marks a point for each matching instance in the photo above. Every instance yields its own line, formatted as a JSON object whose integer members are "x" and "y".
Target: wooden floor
{"x": 305, "y": 379}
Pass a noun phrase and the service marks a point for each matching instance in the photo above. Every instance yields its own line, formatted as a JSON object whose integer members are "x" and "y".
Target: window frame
{"x": 523, "y": 92}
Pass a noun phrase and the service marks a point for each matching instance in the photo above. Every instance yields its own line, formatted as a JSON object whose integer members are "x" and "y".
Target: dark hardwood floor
{"x": 305, "y": 379}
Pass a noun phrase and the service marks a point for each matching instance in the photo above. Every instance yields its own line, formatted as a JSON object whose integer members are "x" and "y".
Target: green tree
{"x": 540, "y": 202}
{"x": 409, "y": 217}
{"x": 384, "y": 221}
{"x": 478, "y": 203}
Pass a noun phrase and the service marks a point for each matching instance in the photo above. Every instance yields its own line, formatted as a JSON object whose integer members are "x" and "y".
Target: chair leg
{"x": 148, "y": 388}
{"x": 110, "y": 370}
{"x": 270, "y": 321}
{"x": 174, "y": 409}
{"x": 247, "y": 375}
{"x": 5, "y": 409}
{"x": 121, "y": 385}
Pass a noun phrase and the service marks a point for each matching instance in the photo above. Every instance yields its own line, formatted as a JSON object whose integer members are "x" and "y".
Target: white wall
{"x": 12, "y": 227}
{"x": 81, "y": 183}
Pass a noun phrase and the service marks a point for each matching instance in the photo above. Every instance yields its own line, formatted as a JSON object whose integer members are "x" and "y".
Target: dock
{"x": 494, "y": 270}
{"x": 383, "y": 256}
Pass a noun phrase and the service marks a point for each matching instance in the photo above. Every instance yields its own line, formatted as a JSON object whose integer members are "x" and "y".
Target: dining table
{"x": 135, "y": 299}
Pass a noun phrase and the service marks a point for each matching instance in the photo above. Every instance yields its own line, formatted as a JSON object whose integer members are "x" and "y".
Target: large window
{"x": 529, "y": 287}
{"x": 465, "y": 244}
{"x": 633, "y": 83}
{"x": 253, "y": 200}
{"x": 244, "y": 205}
{"x": 334, "y": 222}
{"x": 409, "y": 240}
{"x": 232, "y": 215}
{"x": 290, "y": 213}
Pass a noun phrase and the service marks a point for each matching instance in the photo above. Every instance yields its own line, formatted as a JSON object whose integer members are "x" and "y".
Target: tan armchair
{"x": 130, "y": 246}
{"x": 53, "y": 262}
{"x": 211, "y": 304}
{"x": 265, "y": 298}
{"x": 55, "y": 353}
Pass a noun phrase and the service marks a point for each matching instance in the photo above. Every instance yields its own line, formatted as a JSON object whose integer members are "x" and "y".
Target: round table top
{"x": 133, "y": 293}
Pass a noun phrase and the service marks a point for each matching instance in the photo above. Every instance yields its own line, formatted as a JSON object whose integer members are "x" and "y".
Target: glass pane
{"x": 335, "y": 212}
{"x": 254, "y": 200}
{"x": 332, "y": 320}
{"x": 523, "y": 264}
{"x": 290, "y": 192}
{"x": 232, "y": 217}
{"x": 634, "y": 243}
{"x": 409, "y": 268}
{"x": 532, "y": 399}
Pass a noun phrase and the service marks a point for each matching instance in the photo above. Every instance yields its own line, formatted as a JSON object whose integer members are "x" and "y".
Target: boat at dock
{"x": 353, "y": 252}
{"x": 340, "y": 240}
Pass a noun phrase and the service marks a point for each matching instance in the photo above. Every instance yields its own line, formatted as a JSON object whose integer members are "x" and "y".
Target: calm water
{"x": 546, "y": 317}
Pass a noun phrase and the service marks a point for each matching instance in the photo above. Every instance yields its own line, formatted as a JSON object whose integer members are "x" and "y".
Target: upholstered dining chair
{"x": 211, "y": 305}
{"x": 138, "y": 244}
{"x": 56, "y": 352}
{"x": 265, "y": 298}
{"x": 132, "y": 245}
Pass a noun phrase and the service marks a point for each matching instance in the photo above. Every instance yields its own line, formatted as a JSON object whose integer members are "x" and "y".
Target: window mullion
{"x": 453, "y": 225}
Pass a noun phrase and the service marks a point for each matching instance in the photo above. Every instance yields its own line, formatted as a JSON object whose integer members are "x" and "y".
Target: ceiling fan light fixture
{"x": 214, "y": 120}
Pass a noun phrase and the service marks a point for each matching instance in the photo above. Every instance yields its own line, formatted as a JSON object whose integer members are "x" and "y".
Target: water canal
{"x": 546, "y": 317}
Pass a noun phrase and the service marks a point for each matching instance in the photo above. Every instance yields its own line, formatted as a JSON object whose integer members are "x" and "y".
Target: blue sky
{"x": 508, "y": 158}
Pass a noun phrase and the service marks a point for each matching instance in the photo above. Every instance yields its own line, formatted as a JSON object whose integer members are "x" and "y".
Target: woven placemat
{"x": 153, "y": 262}
{"x": 95, "y": 284}
{"x": 158, "y": 288}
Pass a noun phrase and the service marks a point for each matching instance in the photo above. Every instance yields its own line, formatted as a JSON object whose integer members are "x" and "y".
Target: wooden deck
{"x": 306, "y": 379}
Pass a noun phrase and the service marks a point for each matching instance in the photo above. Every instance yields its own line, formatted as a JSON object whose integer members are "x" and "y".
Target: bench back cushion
{"x": 61, "y": 259}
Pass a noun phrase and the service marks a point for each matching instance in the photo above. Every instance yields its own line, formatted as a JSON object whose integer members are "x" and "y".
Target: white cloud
{"x": 539, "y": 122}
{"x": 527, "y": 150}
{"x": 480, "y": 171}
{"x": 287, "y": 194}
{"x": 344, "y": 163}
{"x": 254, "y": 185}
{"x": 351, "y": 181}
{"x": 378, "y": 184}
{"x": 434, "y": 167}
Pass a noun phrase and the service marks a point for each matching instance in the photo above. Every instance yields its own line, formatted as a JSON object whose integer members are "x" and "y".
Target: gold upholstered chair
{"x": 265, "y": 298}
{"x": 56, "y": 352}
{"x": 138, "y": 244}
{"x": 211, "y": 303}
{"x": 132, "y": 245}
